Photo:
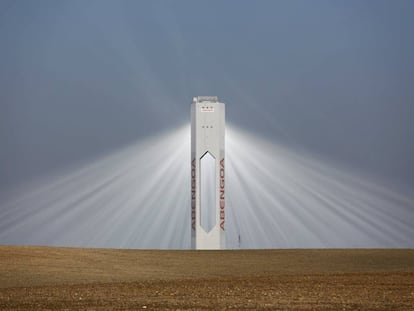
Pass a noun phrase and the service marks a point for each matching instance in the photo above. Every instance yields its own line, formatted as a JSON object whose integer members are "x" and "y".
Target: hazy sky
{"x": 81, "y": 78}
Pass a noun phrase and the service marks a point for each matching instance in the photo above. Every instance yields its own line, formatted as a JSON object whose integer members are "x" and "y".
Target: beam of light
{"x": 139, "y": 197}
{"x": 279, "y": 198}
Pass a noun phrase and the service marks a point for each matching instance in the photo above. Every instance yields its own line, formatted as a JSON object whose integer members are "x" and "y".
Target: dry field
{"x": 45, "y": 278}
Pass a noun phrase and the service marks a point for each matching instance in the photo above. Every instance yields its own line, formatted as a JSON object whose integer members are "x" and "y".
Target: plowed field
{"x": 101, "y": 279}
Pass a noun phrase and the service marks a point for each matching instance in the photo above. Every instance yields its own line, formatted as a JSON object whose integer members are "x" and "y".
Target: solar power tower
{"x": 207, "y": 173}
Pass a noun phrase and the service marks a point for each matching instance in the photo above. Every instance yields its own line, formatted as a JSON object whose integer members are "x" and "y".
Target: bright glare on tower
{"x": 207, "y": 173}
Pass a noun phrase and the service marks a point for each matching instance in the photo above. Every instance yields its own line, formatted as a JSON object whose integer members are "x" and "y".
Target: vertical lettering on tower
{"x": 193, "y": 194}
{"x": 222, "y": 195}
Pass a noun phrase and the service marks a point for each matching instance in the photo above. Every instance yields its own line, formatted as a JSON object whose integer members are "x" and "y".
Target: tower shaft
{"x": 207, "y": 173}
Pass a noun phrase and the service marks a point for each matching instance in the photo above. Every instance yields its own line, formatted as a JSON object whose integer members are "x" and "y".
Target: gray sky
{"x": 79, "y": 79}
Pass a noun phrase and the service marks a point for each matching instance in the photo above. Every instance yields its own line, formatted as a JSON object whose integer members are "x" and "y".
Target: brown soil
{"x": 68, "y": 278}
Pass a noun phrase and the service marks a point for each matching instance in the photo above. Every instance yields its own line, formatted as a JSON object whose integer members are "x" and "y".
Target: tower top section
{"x": 210, "y": 99}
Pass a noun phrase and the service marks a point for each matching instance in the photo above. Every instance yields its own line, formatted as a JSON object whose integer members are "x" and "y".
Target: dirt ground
{"x": 45, "y": 278}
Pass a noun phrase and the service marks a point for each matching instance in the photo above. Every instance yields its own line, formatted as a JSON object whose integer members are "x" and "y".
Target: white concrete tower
{"x": 207, "y": 173}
